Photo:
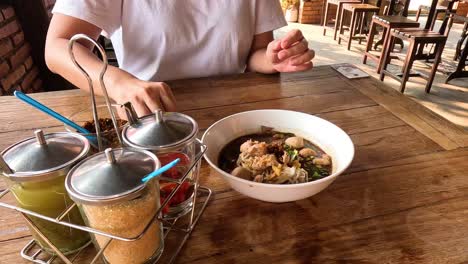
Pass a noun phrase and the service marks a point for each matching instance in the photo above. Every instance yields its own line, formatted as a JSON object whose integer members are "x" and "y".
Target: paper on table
{"x": 349, "y": 71}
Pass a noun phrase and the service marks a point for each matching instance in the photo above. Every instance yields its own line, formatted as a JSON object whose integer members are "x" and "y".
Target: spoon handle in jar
{"x": 160, "y": 170}
{"x": 4, "y": 166}
{"x": 23, "y": 97}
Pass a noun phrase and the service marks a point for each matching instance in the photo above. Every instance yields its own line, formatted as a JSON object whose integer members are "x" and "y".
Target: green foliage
{"x": 286, "y": 4}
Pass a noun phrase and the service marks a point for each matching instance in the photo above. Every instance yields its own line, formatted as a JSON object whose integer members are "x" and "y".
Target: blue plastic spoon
{"x": 160, "y": 170}
{"x": 23, "y": 97}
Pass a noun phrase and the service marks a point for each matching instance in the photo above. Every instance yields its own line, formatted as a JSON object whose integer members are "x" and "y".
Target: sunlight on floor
{"x": 447, "y": 100}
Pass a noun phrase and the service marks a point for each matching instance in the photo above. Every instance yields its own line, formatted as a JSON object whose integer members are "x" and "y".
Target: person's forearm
{"x": 59, "y": 61}
{"x": 258, "y": 62}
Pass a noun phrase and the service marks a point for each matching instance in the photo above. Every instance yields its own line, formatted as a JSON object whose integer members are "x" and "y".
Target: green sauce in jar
{"x": 36, "y": 177}
{"x": 50, "y": 198}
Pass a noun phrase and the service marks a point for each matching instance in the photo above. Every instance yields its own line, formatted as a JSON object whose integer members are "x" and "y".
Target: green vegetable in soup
{"x": 314, "y": 172}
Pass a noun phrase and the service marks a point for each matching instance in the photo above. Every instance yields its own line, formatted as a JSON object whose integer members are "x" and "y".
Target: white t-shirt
{"x": 163, "y": 40}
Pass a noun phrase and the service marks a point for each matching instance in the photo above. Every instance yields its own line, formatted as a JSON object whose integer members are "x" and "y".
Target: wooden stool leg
{"x": 325, "y": 19}
{"x": 408, "y": 65}
{"x": 341, "y": 26}
{"x": 370, "y": 40}
{"x": 387, "y": 56}
{"x": 352, "y": 28}
{"x": 361, "y": 27}
{"x": 439, "y": 51}
{"x": 386, "y": 39}
{"x": 338, "y": 21}
{"x": 418, "y": 13}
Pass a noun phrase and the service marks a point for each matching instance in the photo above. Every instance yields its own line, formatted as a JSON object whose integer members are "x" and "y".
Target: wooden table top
{"x": 403, "y": 200}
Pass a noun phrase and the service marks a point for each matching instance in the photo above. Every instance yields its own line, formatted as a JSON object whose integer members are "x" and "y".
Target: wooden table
{"x": 403, "y": 200}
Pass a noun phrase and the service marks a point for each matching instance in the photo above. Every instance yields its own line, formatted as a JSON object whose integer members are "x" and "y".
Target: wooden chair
{"x": 107, "y": 45}
{"x": 358, "y": 15}
{"x": 388, "y": 21}
{"x": 463, "y": 36}
{"x": 418, "y": 39}
{"x": 336, "y": 22}
{"x": 461, "y": 51}
{"x": 440, "y": 9}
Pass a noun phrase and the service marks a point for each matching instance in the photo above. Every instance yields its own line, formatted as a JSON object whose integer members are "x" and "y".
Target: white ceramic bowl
{"x": 333, "y": 140}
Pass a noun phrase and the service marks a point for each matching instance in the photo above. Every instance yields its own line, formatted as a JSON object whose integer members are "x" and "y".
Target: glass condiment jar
{"x": 40, "y": 165}
{"x": 169, "y": 135}
{"x": 112, "y": 198}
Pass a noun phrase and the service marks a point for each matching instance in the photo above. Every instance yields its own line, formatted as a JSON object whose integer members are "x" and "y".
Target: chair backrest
{"x": 377, "y": 3}
{"x": 430, "y": 17}
{"x": 396, "y": 7}
{"x": 447, "y": 23}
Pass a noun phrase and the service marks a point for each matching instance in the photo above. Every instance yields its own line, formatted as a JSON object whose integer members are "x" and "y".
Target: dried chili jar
{"x": 112, "y": 198}
{"x": 40, "y": 165}
{"x": 169, "y": 135}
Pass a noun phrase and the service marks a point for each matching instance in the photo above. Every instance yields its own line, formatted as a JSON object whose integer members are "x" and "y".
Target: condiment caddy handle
{"x": 91, "y": 87}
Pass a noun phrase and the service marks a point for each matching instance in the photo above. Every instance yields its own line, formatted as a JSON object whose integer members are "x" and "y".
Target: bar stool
{"x": 388, "y": 23}
{"x": 418, "y": 39}
{"x": 339, "y": 8}
{"x": 358, "y": 14}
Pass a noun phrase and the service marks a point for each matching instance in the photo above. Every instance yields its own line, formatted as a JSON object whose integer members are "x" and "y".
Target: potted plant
{"x": 291, "y": 8}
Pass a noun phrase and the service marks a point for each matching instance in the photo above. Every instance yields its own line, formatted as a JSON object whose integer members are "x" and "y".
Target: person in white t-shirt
{"x": 161, "y": 40}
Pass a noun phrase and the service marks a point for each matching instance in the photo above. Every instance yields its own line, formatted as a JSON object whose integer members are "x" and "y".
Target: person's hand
{"x": 290, "y": 53}
{"x": 145, "y": 96}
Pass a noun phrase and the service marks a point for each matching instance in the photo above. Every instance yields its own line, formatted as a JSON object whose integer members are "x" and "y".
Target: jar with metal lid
{"x": 112, "y": 198}
{"x": 169, "y": 135}
{"x": 39, "y": 166}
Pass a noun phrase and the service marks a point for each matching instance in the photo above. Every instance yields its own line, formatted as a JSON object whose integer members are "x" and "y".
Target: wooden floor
{"x": 447, "y": 100}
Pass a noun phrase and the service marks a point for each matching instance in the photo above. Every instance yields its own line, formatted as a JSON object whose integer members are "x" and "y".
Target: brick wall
{"x": 310, "y": 12}
{"x": 462, "y": 9}
{"x": 17, "y": 69}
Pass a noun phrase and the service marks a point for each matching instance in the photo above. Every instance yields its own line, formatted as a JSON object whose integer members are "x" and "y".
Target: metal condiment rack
{"x": 33, "y": 253}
